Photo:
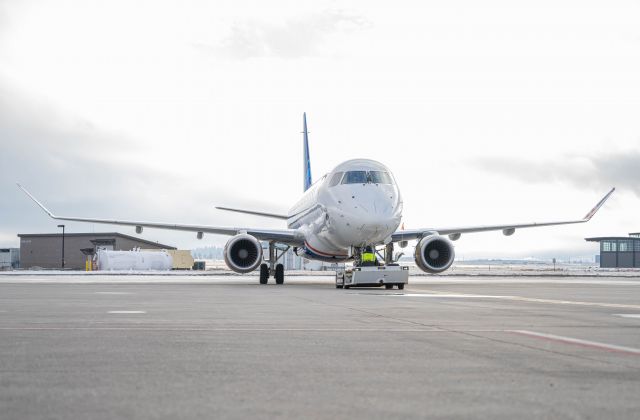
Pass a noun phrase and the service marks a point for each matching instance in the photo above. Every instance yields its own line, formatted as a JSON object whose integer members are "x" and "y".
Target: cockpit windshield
{"x": 367, "y": 177}
{"x": 379, "y": 177}
{"x": 355, "y": 177}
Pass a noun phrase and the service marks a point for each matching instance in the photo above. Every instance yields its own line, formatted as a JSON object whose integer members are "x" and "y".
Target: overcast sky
{"x": 487, "y": 112}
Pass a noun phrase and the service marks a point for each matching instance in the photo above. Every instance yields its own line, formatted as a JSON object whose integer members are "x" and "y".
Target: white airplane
{"x": 357, "y": 204}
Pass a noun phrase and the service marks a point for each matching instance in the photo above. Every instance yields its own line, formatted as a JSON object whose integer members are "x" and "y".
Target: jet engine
{"x": 243, "y": 253}
{"x": 434, "y": 254}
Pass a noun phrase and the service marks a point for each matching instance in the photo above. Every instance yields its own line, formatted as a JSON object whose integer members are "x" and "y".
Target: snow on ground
{"x": 457, "y": 270}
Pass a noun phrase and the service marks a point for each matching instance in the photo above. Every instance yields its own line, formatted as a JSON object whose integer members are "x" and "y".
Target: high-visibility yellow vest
{"x": 368, "y": 257}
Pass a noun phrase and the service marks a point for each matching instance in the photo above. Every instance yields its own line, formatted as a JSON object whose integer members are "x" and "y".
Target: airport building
{"x": 619, "y": 251}
{"x": 45, "y": 250}
{"x": 9, "y": 258}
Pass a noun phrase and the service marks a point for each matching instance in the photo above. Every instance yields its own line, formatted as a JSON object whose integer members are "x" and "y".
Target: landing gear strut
{"x": 273, "y": 268}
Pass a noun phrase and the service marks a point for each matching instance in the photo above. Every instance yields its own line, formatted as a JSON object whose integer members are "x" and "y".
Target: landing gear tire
{"x": 342, "y": 286}
{"x": 388, "y": 286}
{"x": 264, "y": 274}
{"x": 400, "y": 286}
{"x": 279, "y": 274}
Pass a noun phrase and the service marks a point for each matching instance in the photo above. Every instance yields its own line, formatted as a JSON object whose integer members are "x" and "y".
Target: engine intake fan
{"x": 243, "y": 253}
{"x": 434, "y": 254}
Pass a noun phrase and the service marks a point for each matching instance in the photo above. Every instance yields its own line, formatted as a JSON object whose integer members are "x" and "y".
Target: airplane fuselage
{"x": 358, "y": 203}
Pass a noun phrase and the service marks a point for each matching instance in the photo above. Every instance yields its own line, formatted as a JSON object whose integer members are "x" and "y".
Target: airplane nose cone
{"x": 365, "y": 214}
{"x": 378, "y": 219}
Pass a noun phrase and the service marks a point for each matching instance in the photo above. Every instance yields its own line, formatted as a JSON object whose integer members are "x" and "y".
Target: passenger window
{"x": 335, "y": 179}
{"x": 355, "y": 177}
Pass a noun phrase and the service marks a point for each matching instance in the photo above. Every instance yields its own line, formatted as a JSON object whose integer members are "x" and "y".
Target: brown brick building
{"x": 45, "y": 250}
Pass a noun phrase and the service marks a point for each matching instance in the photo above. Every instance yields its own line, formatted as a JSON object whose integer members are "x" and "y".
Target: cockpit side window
{"x": 355, "y": 177}
{"x": 335, "y": 179}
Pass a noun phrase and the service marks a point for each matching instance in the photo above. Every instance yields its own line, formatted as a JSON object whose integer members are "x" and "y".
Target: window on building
{"x": 335, "y": 179}
{"x": 608, "y": 246}
{"x": 624, "y": 246}
{"x": 637, "y": 246}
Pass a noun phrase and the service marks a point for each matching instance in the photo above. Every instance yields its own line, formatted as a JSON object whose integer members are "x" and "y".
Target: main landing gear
{"x": 273, "y": 268}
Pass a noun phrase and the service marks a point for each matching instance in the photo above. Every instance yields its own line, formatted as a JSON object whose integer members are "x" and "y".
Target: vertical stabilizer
{"x": 306, "y": 163}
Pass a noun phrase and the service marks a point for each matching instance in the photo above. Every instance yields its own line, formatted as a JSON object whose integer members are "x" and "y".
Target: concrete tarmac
{"x": 230, "y": 348}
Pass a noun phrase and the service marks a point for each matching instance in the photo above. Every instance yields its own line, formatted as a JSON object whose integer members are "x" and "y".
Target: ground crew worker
{"x": 368, "y": 257}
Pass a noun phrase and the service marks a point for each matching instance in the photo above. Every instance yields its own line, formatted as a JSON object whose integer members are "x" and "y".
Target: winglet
{"x": 306, "y": 162}
{"x": 597, "y": 207}
{"x": 36, "y": 201}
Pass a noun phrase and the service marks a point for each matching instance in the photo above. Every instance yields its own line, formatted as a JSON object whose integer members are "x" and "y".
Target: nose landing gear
{"x": 365, "y": 273}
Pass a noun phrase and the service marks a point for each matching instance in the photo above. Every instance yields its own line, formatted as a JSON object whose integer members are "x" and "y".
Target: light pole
{"x": 62, "y": 226}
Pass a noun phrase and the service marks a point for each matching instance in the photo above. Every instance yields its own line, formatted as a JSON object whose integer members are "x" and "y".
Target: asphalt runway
{"x": 227, "y": 347}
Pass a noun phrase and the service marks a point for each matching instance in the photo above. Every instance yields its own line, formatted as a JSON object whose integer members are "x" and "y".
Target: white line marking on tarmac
{"x": 365, "y": 330}
{"x": 579, "y": 342}
{"x": 112, "y": 293}
{"x": 127, "y": 312}
{"x": 448, "y": 295}
{"x": 515, "y": 298}
{"x": 628, "y": 315}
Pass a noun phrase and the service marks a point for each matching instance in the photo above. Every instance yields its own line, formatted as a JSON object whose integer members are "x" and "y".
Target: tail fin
{"x": 306, "y": 163}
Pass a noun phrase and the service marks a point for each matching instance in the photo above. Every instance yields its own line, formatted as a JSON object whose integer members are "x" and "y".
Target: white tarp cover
{"x": 134, "y": 260}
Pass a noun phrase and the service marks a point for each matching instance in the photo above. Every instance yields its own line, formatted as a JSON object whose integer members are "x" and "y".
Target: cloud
{"x": 293, "y": 38}
{"x": 4, "y": 20}
{"x": 79, "y": 169}
{"x": 619, "y": 169}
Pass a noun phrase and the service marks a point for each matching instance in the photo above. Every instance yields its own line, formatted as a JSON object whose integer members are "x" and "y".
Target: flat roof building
{"x": 45, "y": 250}
{"x": 619, "y": 251}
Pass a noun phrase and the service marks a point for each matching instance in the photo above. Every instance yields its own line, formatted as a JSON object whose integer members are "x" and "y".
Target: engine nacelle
{"x": 243, "y": 253}
{"x": 434, "y": 254}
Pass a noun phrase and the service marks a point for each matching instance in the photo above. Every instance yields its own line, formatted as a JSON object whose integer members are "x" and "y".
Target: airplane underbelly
{"x": 318, "y": 248}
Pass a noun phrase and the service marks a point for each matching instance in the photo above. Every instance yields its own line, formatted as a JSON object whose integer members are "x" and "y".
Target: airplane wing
{"x": 287, "y": 236}
{"x": 255, "y": 213}
{"x": 455, "y": 232}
